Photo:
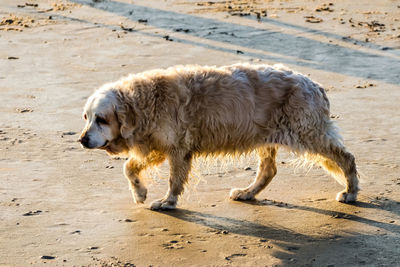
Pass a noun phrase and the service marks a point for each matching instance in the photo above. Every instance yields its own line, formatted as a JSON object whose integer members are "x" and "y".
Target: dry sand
{"x": 62, "y": 205}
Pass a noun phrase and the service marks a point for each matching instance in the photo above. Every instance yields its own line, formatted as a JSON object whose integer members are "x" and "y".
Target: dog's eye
{"x": 84, "y": 116}
{"x": 100, "y": 120}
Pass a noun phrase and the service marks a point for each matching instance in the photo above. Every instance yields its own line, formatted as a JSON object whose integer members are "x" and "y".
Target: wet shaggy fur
{"x": 189, "y": 111}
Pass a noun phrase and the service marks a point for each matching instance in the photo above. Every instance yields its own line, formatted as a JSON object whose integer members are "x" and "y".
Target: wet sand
{"x": 64, "y": 206}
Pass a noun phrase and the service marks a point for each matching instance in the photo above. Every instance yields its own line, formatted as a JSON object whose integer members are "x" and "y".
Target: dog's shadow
{"x": 235, "y": 226}
{"x": 306, "y": 249}
{"x": 249, "y": 228}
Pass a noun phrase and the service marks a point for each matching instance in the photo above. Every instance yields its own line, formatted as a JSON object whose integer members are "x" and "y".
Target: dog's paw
{"x": 163, "y": 204}
{"x": 139, "y": 194}
{"x": 346, "y": 197}
{"x": 240, "y": 194}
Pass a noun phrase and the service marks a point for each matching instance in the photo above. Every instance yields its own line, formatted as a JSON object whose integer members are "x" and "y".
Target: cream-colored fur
{"x": 189, "y": 111}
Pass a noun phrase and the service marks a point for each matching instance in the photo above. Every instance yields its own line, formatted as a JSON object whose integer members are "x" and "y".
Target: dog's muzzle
{"x": 84, "y": 140}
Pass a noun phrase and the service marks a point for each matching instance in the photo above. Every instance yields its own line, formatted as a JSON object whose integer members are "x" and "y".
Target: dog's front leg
{"x": 132, "y": 169}
{"x": 180, "y": 163}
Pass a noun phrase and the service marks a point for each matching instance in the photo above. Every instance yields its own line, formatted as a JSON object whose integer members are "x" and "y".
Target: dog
{"x": 184, "y": 112}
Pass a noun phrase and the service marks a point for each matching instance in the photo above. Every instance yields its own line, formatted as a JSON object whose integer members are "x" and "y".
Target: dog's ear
{"x": 126, "y": 118}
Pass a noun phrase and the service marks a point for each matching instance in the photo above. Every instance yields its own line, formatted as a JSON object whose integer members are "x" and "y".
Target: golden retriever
{"x": 187, "y": 111}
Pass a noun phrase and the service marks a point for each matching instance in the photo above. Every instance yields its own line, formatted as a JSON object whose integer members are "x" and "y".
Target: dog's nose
{"x": 84, "y": 140}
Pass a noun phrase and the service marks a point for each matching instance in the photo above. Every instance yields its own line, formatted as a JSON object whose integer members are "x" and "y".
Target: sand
{"x": 62, "y": 205}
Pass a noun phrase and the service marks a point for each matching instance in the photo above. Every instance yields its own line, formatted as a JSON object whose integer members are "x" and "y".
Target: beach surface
{"x": 61, "y": 205}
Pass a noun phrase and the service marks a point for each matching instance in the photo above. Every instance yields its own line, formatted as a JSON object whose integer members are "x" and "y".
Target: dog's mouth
{"x": 104, "y": 146}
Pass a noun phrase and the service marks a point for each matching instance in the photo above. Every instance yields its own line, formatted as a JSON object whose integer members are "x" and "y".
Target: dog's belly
{"x": 226, "y": 139}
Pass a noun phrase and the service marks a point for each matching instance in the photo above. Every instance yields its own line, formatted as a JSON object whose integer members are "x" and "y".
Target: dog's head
{"x": 109, "y": 121}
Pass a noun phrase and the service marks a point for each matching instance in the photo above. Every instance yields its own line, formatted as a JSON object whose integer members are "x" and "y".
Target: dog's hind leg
{"x": 340, "y": 163}
{"x": 266, "y": 171}
{"x": 132, "y": 169}
{"x": 180, "y": 164}
{"x": 340, "y": 157}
